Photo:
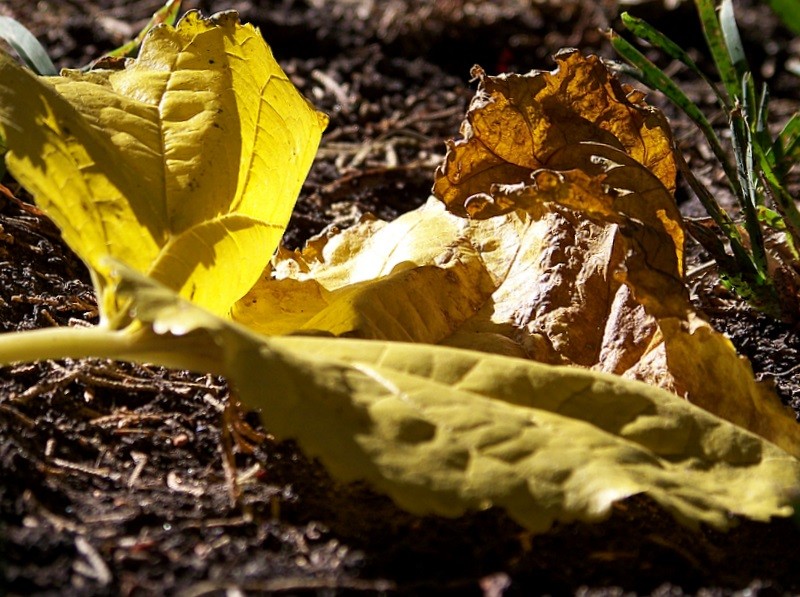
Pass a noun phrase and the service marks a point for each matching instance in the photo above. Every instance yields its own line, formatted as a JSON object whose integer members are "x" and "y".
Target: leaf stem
{"x": 139, "y": 345}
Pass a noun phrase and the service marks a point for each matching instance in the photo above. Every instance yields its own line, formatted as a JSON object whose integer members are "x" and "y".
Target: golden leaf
{"x": 583, "y": 266}
{"x": 185, "y": 165}
{"x": 648, "y": 330}
{"x": 444, "y": 431}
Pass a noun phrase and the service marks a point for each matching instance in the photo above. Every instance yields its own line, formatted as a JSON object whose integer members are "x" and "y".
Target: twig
{"x": 291, "y": 584}
{"x": 102, "y": 473}
{"x": 96, "y": 568}
{"x": 339, "y": 92}
{"x": 175, "y": 483}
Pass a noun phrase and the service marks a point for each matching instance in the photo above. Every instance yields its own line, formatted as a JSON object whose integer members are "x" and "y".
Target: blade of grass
{"x": 751, "y": 110}
{"x": 742, "y": 272}
{"x": 789, "y": 12}
{"x": 642, "y": 29}
{"x": 719, "y": 52}
{"x": 777, "y": 221}
{"x": 26, "y": 46}
{"x": 742, "y": 141}
{"x": 733, "y": 41}
{"x": 786, "y": 148}
{"x": 780, "y": 197}
{"x": 761, "y": 130}
{"x": 720, "y": 218}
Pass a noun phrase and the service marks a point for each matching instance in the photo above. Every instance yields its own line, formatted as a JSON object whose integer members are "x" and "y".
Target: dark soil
{"x": 113, "y": 477}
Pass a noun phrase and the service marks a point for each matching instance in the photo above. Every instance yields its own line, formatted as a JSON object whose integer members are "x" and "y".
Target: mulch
{"x": 114, "y": 477}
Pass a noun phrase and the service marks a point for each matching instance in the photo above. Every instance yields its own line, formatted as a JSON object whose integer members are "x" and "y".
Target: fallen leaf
{"x": 185, "y": 165}
{"x": 624, "y": 190}
{"x": 416, "y": 280}
{"x": 517, "y": 123}
{"x": 445, "y": 431}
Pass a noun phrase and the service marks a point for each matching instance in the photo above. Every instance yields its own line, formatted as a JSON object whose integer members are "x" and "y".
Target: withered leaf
{"x": 516, "y": 123}
{"x": 415, "y": 280}
{"x": 625, "y": 190}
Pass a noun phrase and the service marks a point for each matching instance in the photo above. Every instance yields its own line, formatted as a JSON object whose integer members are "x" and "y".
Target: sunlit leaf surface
{"x": 185, "y": 165}
{"x": 445, "y": 431}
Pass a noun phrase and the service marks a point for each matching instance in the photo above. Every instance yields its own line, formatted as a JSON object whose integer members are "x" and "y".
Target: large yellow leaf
{"x": 185, "y": 165}
{"x": 444, "y": 431}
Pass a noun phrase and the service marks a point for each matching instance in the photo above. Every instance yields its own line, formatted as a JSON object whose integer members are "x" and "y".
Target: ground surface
{"x": 112, "y": 479}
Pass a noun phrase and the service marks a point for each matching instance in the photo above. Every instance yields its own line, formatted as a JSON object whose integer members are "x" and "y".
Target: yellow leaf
{"x": 584, "y": 267}
{"x": 414, "y": 280}
{"x": 445, "y": 431}
{"x": 184, "y": 165}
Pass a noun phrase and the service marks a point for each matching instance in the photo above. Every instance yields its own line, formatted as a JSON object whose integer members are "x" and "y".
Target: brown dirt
{"x": 112, "y": 479}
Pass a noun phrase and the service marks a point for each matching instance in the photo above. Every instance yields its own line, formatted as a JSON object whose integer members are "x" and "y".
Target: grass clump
{"x": 757, "y": 249}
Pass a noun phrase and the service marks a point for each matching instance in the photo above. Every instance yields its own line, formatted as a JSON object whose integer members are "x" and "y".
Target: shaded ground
{"x": 112, "y": 477}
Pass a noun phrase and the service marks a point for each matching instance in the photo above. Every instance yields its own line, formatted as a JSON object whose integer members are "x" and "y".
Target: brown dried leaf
{"x": 610, "y": 294}
{"x": 516, "y": 124}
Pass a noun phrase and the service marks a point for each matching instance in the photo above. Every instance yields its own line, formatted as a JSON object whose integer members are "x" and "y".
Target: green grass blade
{"x": 720, "y": 217}
{"x": 647, "y": 32}
{"x": 26, "y": 46}
{"x": 789, "y": 12}
{"x": 740, "y": 272}
{"x": 762, "y": 118}
{"x": 749, "y": 103}
{"x": 733, "y": 41}
{"x": 743, "y": 149}
{"x": 719, "y": 51}
{"x": 780, "y": 197}
{"x": 786, "y": 148}
{"x": 649, "y": 74}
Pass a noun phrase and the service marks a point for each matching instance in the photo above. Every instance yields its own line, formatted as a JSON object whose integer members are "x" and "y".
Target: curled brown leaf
{"x": 575, "y": 145}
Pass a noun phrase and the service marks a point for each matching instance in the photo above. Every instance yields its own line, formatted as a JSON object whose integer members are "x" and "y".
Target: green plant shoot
{"x": 756, "y": 164}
